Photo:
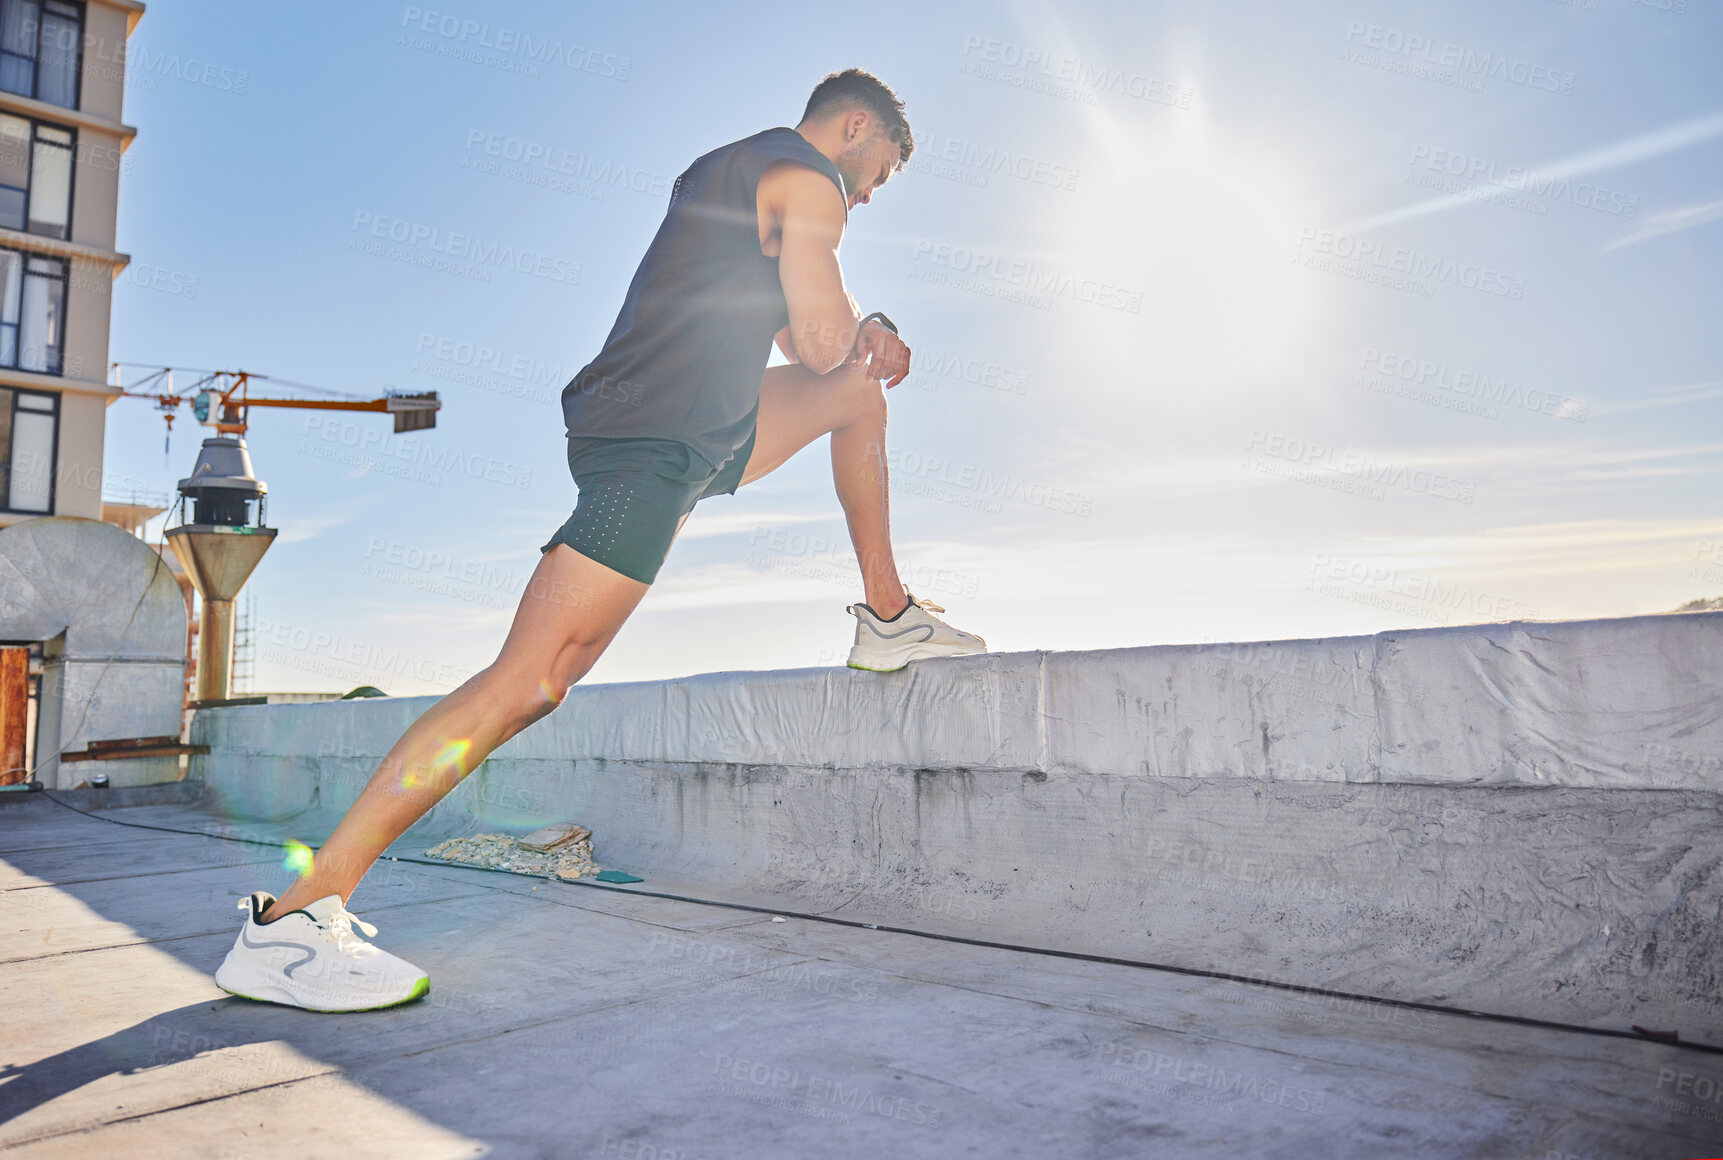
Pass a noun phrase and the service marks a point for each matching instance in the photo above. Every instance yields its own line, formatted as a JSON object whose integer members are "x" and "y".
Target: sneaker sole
{"x": 917, "y": 656}
{"x": 284, "y": 999}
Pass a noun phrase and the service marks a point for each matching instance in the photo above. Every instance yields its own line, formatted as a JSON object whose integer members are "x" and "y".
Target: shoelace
{"x": 340, "y": 928}
{"x": 924, "y": 605}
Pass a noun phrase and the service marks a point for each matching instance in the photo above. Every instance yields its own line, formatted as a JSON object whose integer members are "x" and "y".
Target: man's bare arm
{"x": 823, "y": 317}
{"x": 787, "y": 346}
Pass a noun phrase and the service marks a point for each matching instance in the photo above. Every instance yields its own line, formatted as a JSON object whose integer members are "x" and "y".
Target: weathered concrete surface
{"x": 1626, "y": 703}
{"x": 573, "y": 1021}
{"x": 1289, "y": 811}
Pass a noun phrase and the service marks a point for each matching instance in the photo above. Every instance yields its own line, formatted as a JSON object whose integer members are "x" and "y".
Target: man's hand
{"x": 882, "y": 353}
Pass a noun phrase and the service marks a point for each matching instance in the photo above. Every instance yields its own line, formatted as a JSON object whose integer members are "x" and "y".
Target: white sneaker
{"x": 311, "y": 958}
{"x": 884, "y": 646}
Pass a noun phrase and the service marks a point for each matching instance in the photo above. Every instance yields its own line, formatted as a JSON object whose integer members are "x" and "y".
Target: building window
{"x": 39, "y": 45}
{"x": 29, "y": 434}
{"x": 35, "y": 177}
{"x": 32, "y": 311}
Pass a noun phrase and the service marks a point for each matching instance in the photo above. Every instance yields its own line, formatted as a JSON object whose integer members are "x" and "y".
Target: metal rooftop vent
{"x": 221, "y": 486}
{"x": 219, "y": 549}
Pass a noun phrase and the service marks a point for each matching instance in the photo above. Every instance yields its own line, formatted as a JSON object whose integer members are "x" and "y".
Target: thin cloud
{"x": 1641, "y": 148}
{"x": 702, "y": 525}
{"x": 1670, "y": 222}
{"x": 1664, "y": 397}
{"x": 304, "y": 527}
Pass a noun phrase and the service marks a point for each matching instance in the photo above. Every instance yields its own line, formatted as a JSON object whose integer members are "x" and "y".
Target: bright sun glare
{"x": 1213, "y": 229}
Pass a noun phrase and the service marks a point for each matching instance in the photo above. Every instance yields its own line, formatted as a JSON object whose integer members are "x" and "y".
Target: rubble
{"x": 506, "y": 852}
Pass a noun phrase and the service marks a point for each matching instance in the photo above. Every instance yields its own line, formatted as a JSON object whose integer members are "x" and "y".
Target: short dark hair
{"x": 856, "y": 88}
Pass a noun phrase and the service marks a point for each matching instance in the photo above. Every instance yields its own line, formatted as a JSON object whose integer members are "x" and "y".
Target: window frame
{"x": 30, "y": 145}
{"x": 71, "y": 149}
{"x": 53, "y": 452}
{"x": 24, "y": 274}
{"x": 83, "y": 18}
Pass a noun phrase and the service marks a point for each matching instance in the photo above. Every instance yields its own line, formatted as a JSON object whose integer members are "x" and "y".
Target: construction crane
{"x": 220, "y": 538}
{"x": 226, "y": 395}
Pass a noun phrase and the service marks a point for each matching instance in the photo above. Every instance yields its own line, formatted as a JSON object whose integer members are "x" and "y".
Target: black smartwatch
{"x": 879, "y": 316}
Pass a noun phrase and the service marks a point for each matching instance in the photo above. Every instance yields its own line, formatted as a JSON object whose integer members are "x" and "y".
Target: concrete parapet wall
{"x": 1520, "y": 818}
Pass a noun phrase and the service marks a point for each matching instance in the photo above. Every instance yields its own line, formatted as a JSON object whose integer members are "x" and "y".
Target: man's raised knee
{"x": 866, "y": 396}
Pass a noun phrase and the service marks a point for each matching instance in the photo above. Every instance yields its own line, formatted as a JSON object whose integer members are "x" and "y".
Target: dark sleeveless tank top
{"x": 685, "y": 357}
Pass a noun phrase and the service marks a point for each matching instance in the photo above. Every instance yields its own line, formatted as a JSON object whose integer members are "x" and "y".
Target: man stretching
{"x": 678, "y": 406}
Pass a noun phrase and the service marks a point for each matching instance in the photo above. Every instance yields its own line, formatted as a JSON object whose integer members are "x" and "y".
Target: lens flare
{"x": 298, "y": 858}
{"x": 453, "y": 755}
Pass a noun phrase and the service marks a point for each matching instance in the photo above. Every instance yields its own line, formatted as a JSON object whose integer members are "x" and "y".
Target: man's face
{"x": 867, "y": 162}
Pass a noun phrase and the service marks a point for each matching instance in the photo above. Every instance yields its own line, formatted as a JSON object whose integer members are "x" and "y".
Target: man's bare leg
{"x": 572, "y": 609}
{"x": 796, "y": 407}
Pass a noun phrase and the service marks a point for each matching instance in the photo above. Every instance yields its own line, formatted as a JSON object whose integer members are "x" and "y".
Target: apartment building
{"x": 62, "y": 141}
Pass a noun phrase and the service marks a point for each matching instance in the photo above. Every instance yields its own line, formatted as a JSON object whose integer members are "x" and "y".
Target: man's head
{"x": 853, "y": 118}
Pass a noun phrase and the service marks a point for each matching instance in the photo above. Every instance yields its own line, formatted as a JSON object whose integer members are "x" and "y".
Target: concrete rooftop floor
{"x": 574, "y": 1021}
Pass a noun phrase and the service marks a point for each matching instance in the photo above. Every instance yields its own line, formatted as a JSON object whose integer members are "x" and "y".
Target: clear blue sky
{"x": 1238, "y": 320}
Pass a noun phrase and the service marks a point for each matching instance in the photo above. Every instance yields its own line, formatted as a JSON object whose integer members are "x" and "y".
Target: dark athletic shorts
{"x": 633, "y": 494}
